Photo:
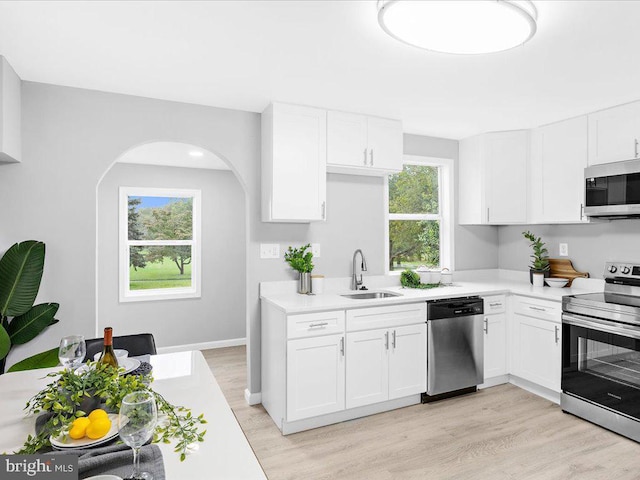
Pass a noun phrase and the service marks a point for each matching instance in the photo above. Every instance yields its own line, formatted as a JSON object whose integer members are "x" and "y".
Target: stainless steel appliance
{"x": 612, "y": 190}
{"x": 601, "y": 352}
{"x": 455, "y": 347}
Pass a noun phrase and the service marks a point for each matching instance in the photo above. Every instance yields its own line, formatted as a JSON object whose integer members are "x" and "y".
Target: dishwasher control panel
{"x": 454, "y": 307}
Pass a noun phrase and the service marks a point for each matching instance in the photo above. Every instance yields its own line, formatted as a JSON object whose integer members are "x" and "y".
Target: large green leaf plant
{"x": 21, "y": 321}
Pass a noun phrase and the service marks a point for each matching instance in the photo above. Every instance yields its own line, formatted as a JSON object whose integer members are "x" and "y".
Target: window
{"x": 419, "y": 213}
{"x": 159, "y": 244}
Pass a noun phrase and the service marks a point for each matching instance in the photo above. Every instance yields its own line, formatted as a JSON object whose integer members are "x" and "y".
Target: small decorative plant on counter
{"x": 301, "y": 261}
{"x": 410, "y": 279}
{"x": 63, "y": 400}
{"x": 540, "y": 259}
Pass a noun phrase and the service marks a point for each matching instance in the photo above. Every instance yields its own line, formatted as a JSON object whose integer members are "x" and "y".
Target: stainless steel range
{"x": 601, "y": 352}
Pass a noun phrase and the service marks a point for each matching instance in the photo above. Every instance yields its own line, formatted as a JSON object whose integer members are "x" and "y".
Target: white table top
{"x": 183, "y": 379}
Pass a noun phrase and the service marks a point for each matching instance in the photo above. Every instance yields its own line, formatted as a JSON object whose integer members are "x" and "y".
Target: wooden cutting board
{"x": 563, "y": 268}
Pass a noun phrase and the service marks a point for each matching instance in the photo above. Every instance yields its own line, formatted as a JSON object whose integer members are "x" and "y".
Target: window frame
{"x": 124, "y": 244}
{"x": 445, "y": 207}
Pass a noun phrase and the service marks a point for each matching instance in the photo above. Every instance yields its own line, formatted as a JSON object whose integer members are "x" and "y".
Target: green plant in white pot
{"x": 539, "y": 268}
{"x": 301, "y": 261}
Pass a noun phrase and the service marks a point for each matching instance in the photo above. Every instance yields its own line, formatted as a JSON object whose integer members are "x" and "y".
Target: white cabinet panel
{"x": 386, "y": 316}
{"x": 614, "y": 134}
{"x": 558, "y": 160}
{"x": 385, "y": 143}
{"x": 315, "y": 376}
{"x": 408, "y": 361}
{"x": 367, "y": 367}
{"x": 294, "y": 142}
{"x": 493, "y": 178}
{"x": 347, "y": 139}
{"x": 315, "y": 324}
{"x": 495, "y": 345}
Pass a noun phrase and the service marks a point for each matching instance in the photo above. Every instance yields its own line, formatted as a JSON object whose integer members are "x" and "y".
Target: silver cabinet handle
{"x": 486, "y": 325}
{"x": 393, "y": 340}
{"x": 496, "y": 304}
{"x": 386, "y": 340}
{"x": 487, "y": 214}
{"x": 582, "y": 210}
{"x": 319, "y": 324}
{"x": 539, "y": 309}
{"x": 342, "y": 346}
{"x": 324, "y": 210}
{"x": 365, "y": 156}
{"x": 557, "y": 336}
{"x": 371, "y": 156}
{"x": 636, "y": 147}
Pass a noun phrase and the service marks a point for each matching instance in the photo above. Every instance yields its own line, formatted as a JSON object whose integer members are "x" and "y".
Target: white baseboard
{"x": 536, "y": 389}
{"x": 252, "y": 398}
{"x": 232, "y": 342}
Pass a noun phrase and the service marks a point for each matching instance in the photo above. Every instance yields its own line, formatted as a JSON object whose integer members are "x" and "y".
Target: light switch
{"x": 269, "y": 250}
{"x": 564, "y": 250}
{"x": 315, "y": 249}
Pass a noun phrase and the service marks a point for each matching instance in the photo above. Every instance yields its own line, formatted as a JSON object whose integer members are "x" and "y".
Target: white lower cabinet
{"x": 495, "y": 345}
{"x": 537, "y": 342}
{"x": 315, "y": 376}
{"x": 385, "y": 364}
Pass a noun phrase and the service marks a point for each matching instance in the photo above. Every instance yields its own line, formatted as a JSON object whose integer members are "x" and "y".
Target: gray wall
{"x": 590, "y": 245}
{"x": 219, "y": 313}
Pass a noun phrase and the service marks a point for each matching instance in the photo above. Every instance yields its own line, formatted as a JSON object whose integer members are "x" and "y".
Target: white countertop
{"x": 292, "y": 303}
{"x": 183, "y": 379}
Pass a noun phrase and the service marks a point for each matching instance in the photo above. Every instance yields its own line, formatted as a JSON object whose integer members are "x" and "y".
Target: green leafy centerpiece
{"x": 301, "y": 261}
{"x": 72, "y": 394}
{"x": 410, "y": 279}
{"x": 539, "y": 258}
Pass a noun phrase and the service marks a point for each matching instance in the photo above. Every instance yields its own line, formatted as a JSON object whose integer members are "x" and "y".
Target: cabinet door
{"x": 559, "y": 157}
{"x": 471, "y": 209}
{"x": 614, "y": 133}
{"x": 298, "y": 164}
{"x": 347, "y": 139}
{"x": 538, "y": 351}
{"x": 495, "y": 345}
{"x": 367, "y": 367}
{"x": 505, "y": 159}
{"x": 408, "y": 361}
{"x": 384, "y": 138}
{"x": 315, "y": 376}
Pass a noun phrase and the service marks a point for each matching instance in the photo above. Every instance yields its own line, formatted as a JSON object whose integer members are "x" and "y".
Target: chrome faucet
{"x": 355, "y": 283}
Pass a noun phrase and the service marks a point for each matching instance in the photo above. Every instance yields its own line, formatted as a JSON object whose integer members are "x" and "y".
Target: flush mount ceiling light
{"x": 196, "y": 153}
{"x": 464, "y": 27}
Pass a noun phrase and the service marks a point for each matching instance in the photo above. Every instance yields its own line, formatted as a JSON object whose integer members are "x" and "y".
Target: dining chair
{"x": 138, "y": 344}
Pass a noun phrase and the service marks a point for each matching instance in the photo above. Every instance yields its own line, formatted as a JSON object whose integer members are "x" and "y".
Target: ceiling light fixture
{"x": 196, "y": 153}
{"x": 463, "y": 27}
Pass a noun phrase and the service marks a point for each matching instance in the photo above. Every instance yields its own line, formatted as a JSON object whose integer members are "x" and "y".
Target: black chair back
{"x": 139, "y": 344}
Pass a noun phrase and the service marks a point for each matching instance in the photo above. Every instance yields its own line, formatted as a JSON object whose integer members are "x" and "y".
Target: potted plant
{"x": 301, "y": 261}
{"x": 539, "y": 268}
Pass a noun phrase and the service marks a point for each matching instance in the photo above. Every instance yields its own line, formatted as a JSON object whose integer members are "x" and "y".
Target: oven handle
{"x": 617, "y": 329}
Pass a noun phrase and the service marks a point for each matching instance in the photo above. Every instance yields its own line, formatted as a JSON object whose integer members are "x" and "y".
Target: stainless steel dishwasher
{"x": 455, "y": 347}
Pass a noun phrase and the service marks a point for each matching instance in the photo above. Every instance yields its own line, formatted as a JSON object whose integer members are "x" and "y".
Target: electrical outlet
{"x": 315, "y": 249}
{"x": 269, "y": 250}
{"x": 564, "y": 250}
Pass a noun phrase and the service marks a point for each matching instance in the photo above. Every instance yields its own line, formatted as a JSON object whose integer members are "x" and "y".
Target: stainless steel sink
{"x": 369, "y": 295}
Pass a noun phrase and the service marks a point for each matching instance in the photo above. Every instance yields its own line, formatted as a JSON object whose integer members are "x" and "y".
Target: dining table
{"x": 183, "y": 378}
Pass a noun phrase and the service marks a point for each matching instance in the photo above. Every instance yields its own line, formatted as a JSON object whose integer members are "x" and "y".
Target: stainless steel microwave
{"x": 612, "y": 190}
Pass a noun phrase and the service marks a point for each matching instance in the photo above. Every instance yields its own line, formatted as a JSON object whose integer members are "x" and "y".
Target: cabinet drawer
{"x": 385, "y": 317}
{"x": 495, "y": 304}
{"x": 315, "y": 324}
{"x": 532, "y": 307}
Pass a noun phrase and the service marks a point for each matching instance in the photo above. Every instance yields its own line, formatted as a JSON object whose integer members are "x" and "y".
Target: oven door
{"x": 601, "y": 363}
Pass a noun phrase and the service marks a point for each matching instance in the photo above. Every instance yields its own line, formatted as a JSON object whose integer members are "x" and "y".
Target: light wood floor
{"x": 499, "y": 433}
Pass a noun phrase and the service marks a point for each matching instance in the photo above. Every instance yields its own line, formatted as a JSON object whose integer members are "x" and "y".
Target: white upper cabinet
{"x": 294, "y": 162}
{"x": 614, "y": 134}
{"x": 362, "y": 145}
{"x": 10, "y": 112}
{"x": 493, "y": 178}
{"x": 558, "y": 160}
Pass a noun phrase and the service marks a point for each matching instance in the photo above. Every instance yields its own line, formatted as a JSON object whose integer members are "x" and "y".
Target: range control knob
{"x": 613, "y": 269}
{"x": 626, "y": 270}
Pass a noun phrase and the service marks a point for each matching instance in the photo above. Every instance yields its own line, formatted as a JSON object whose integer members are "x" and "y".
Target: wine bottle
{"x": 108, "y": 355}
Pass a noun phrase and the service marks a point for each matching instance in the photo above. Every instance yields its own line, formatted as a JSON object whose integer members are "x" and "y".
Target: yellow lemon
{"x": 79, "y": 427}
{"x": 98, "y": 428}
{"x": 97, "y": 413}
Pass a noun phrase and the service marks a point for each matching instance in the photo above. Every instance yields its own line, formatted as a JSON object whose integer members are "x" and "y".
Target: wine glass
{"x": 72, "y": 351}
{"x": 137, "y": 421}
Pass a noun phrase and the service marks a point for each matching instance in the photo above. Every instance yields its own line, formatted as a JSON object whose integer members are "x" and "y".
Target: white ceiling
{"x": 332, "y": 54}
{"x": 173, "y": 154}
